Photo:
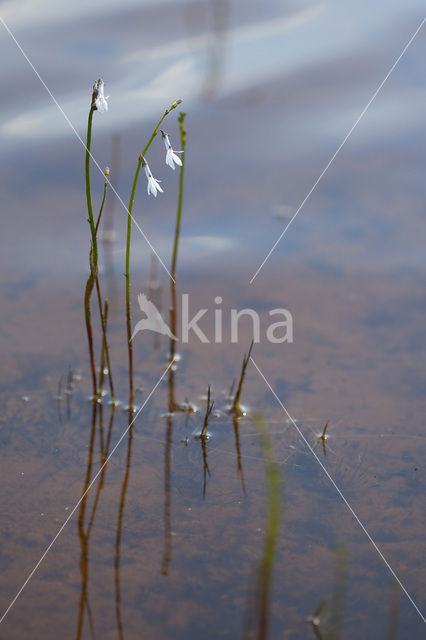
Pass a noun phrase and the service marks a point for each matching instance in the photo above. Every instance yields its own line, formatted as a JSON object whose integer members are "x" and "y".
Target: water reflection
{"x": 332, "y": 628}
{"x": 395, "y": 595}
{"x": 67, "y": 392}
{"x": 338, "y": 600}
{"x": 217, "y": 50}
{"x": 84, "y": 531}
{"x": 237, "y": 411}
{"x": 167, "y": 548}
{"x": 236, "y": 426}
{"x": 204, "y": 438}
{"x": 258, "y": 607}
{"x": 120, "y": 528}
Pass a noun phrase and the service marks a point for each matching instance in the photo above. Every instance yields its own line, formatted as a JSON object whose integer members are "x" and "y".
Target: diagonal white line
{"x": 345, "y": 139}
{"x": 83, "y": 495}
{"x": 145, "y": 237}
{"x": 312, "y": 450}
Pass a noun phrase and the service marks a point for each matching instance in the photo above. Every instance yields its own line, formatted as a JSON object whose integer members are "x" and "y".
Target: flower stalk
{"x": 173, "y": 405}
{"x": 98, "y": 103}
{"x": 128, "y": 239}
{"x": 91, "y": 220}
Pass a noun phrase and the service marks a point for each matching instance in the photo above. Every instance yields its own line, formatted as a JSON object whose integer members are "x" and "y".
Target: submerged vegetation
{"x": 273, "y": 490}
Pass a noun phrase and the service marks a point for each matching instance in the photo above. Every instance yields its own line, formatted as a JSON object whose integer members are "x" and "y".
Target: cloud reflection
{"x": 149, "y": 78}
{"x": 44, "y": 12}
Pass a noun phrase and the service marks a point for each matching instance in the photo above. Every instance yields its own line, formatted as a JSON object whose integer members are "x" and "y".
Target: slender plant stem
{"x": 87, "y": 296}
{"x": 104, "y": 456}
{"x": 128, "y": 238}
{"x": 102, "y": 360}
{"x": 93, "y": 256}
{"x": 236, "y": 406}
{"x": 127, "y": 275}
{"x": 180, "y": 198}
{"x": 102, "y": 203}
{"x": 105, "y": 348}
{"x": 88, "y": 191}
{"x": 103, "y": 314}
{"x": 209, "y": 409}
{"x": 173, "y": 406}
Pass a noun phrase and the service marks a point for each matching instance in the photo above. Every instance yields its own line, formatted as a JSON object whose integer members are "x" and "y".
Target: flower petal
{"x": 169, "y": 158}
{"x": 177, "y": 159}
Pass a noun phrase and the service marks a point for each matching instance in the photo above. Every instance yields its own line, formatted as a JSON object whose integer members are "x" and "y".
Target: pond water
{"x": 147, "y": 531}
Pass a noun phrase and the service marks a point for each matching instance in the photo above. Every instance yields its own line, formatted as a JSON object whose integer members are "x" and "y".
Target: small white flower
{"x": 100, "y": 103}
{"x": 153, "y": 185}
{"x": 171, "y": 156}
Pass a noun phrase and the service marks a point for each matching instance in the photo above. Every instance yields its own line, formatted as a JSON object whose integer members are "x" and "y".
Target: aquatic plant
{"x": 323, "y": 437}
{"x": 204, "y": 437}
{"x": 273, "y": 486}
{"x": 98, "y": 102}
{"x": 173, "y": 405}
{"x": 171, "y": 154}
{"x": 209, "y": 408}
{"x": 152, "y": 187}
{"x": 236, "y": 407}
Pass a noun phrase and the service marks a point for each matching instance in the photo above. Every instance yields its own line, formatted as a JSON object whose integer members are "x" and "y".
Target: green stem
{"x": 173, "y": 406}
{"x": 105, "y": 348}
{"x": 93, "y": 257}
{"x": 87, "y": 296}
{"x": 127, "y": 274}
{"x": 102, "y": 205}
{"x": 128, "y": 238}
{"x": 102, "y": 362}
{"x": 103, "y": 314}
{"x": 88, "y": 191}
{"x": 180, "y": 199}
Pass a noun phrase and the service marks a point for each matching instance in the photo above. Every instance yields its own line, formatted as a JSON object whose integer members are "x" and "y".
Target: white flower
{"x": 100, "y": 103}
{"x": 171, "y": 156}
{"x": 153, "y": 185}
